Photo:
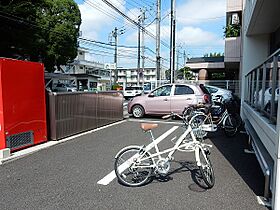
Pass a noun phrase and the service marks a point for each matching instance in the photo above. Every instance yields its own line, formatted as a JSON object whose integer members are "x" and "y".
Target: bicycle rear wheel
{"x": 230, "y": 126}
{"x": 206, "y": 169}
{"x": 130, "y": 173}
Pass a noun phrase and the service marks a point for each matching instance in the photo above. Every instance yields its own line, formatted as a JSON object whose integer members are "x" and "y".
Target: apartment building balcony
{"x": 121, "y": 73}
{"x": 232, "y": 49}
{"x": 150, "y": 73}
{"x": 234, "y": 5}
{"x": 131, "y": 80}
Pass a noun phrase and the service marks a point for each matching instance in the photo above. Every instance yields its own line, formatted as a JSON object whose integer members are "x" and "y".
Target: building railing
{"x": 262, "y": 87}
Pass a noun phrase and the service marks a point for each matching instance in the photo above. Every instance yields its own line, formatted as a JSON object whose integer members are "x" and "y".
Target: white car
{"x": 130, "y": 92}
{"x": 61, "y": 87}
{"x": 216, "y": 91}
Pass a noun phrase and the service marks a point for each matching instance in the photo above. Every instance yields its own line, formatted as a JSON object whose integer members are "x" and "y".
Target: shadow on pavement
{"x": 246, "y": 165}
{"x": 185, "y": 166}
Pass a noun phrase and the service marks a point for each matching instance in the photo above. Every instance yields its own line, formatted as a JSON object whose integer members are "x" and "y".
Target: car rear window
{"x": 183, "y": 90}
{"x": 204, "y": 90}
{"x": 211, "y": 90}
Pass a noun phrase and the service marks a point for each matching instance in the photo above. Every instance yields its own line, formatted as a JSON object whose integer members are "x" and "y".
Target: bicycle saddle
{"x": 201, "y": 107}
{"x": 148, "y": 126}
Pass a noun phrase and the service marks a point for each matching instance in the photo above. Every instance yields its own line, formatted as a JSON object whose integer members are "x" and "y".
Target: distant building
{"x": 206, "y": 67}
{"x": 129, "y": 76}
{"x": 83, "y": 66}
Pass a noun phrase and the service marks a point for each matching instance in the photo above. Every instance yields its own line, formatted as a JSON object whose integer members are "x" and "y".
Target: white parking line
{"x": 111, "y": 176}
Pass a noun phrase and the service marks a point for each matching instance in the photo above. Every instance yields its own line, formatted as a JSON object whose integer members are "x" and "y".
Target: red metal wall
{"x": 22, "y": 100}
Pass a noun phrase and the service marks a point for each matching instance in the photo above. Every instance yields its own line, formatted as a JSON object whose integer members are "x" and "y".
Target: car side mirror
{"x": 151, "y": 95}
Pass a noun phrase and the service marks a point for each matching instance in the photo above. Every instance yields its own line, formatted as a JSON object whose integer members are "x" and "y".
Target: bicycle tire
{"x": 230, "y": 126}
{"x": 128, "y": 176}
{"x": 238, "y": 118}
{"x": 206, "y": 169}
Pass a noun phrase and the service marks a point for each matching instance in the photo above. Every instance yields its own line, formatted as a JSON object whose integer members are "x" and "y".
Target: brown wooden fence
{"x": 72, "y": 113}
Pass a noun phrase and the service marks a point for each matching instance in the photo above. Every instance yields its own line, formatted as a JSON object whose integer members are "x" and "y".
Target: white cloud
{"x": 199, "y": 11}
{"x": 94, "y": 18}
{"x": 194, "y": 36}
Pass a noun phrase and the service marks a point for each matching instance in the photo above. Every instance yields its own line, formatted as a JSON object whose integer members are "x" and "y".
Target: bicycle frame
{"x": 190, "y": 146}
{"x": 221, "y": 119}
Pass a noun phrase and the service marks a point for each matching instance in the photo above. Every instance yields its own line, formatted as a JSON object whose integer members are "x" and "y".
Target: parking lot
{"x": 76, "y": 175}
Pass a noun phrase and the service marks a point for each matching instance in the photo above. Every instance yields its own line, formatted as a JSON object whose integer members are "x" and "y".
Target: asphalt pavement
{"x": 66, "y": 175}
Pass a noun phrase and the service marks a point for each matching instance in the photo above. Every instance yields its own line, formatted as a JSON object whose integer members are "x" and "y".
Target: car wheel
{"x": 138, "y": 111}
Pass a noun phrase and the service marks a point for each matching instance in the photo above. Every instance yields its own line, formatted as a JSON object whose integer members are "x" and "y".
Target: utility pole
{"x": 158, "y": 20}
{"x": 138, "y": 60}
{"x": 143, "y": 46}
{"x": 184, "y": 64}
{"x": 172, "y": 40}
{"x": 141, "y": 19}
{"x": 115, "y": 35}
{"x": 177, "y": 63}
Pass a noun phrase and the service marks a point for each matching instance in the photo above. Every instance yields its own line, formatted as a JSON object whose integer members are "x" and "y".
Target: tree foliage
{"x": 185, "y": 73}
{"x": 215, "y": 54}
{"x": 232, "y": 30}
{"x": 40, "y": 30}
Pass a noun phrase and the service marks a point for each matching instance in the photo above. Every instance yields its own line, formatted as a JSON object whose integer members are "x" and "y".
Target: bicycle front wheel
{"x": 197, "y": 122}
{"x": 132, "y": 173}
{"x": 206, "y": 169}
{"x": 231, "y": 125}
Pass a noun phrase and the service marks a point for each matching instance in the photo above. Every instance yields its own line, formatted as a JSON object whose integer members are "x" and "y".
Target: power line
{"x": 133, "y": 21}
{"x": 96, "y": 6}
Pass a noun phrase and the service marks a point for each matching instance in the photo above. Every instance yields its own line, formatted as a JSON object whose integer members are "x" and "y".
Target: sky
{"x": 199, "y": 29}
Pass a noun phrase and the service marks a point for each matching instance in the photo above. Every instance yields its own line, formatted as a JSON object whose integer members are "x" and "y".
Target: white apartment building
{"x": 260, "y": 63}
{"x": 129, "y": 76}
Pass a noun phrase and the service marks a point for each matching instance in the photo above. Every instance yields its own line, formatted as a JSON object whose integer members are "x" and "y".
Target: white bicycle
{"x": 134, "y": 165}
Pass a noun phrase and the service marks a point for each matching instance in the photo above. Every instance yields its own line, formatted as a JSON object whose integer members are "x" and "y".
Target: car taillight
{"x": 206, "y": 98}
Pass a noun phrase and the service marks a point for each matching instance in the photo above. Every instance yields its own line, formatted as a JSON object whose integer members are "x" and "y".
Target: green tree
{"x": 185, "y": 73}
{"x": 215, "y": 54}
{"x": 40, "y": 30}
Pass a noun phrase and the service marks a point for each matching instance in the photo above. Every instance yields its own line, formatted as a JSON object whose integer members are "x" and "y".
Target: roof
{"x": 85, "y": 75}
{"x": 58, "y": 75}
{"x": 206, "y": 59}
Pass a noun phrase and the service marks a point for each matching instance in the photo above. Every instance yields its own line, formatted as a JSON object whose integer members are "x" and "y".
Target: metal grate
{"x": 21, "y": 139}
